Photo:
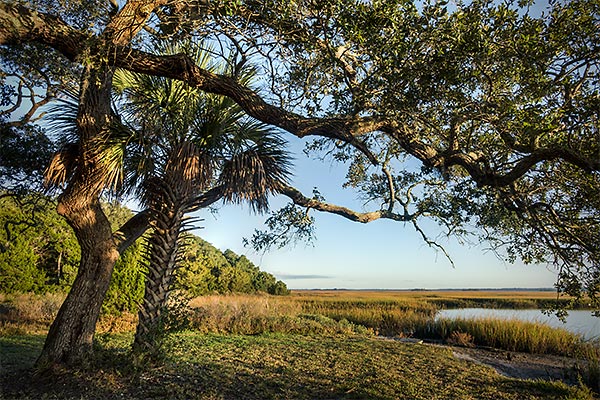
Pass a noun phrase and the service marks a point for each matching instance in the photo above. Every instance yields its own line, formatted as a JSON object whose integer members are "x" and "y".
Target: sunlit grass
{"x": 277, "y": 366}
{"x": 256, "y": 314}
{"x": 512, "y": 335}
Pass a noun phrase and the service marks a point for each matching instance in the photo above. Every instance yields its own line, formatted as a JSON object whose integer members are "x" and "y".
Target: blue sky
{"x": 379, "y": 255}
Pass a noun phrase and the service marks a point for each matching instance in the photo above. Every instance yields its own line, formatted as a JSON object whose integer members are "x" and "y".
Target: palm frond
{"x": 188, "y": 169}
{"x": 62, "y": 166}
{"x": 61, "y": 117}
{"x": 252, "y": 176}
{"x": 108, "y": 153}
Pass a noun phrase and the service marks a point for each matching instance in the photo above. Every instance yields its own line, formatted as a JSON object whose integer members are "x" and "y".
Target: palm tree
{"x": 190, "y": 149}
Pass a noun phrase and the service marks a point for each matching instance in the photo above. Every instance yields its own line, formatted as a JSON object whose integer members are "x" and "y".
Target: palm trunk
{"x": 163, "y": 247}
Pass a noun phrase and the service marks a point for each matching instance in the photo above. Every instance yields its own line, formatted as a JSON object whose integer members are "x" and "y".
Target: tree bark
{"x": 163, "y": 257}
{"x": 70, "y": 337}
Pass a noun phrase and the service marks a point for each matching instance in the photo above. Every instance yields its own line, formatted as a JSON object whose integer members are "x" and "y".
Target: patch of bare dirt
{"x": 523, "y": 365}
{"x": 514, "y": 364}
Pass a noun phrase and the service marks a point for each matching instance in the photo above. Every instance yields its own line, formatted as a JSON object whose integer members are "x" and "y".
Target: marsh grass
{"x": 335, "y": 314}
{"x": 257, "y": 314}
{"x": 512, "y": 335}
{"x": 448, "y": 299}
{"x": 381, "y": 318}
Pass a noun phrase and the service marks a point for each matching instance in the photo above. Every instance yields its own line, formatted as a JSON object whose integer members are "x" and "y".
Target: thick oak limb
{"x": 132, "y": 230}
{"x": 299, "y": 199}
{"x": 485, "y": 177}
{"x": 181, "y": 67}
{"x": 19, "y": 24}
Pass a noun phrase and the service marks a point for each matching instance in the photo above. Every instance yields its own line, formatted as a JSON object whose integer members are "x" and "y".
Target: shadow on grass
{"x": 19, "y": 352}
{"x": 239, "y": 368}
{"x": 112, "y": 376}
{"x": 20, "y": 380}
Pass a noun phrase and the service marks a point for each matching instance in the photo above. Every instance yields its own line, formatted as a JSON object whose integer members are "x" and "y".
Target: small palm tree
{"x": 187, "y": 144}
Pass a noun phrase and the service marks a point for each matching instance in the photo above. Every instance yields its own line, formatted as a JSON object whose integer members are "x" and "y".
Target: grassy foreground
{"x": 311, "y": 345}
{"x": 270, "y": 366}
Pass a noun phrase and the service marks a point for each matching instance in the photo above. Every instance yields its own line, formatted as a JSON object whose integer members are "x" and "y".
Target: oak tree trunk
{"x": 70, "y": 337}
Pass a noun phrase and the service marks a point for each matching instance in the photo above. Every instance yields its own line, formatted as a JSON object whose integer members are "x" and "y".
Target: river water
{"x": 578, "y": 321}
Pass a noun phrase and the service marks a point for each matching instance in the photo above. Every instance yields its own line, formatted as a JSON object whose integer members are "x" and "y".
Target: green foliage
{"x": 205, "y": 270}
{"x": 39, "y": 253}
{"x": 127, "y": 283}
{"x": 18, "y": 270}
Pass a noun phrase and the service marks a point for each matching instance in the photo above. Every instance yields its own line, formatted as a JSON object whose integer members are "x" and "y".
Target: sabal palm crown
{"x": 186, "y": 142}
{"x": 212, "y": 138}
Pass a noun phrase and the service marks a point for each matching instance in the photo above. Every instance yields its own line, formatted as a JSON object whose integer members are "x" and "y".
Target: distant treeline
{"x": 39, "y": 253}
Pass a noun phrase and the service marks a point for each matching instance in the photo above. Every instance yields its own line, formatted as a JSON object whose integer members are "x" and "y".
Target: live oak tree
{"x": 480, "y": 116}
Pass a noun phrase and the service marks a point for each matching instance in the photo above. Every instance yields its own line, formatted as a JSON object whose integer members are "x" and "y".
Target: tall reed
{"x": 255, "y": 314}
{"x": 512, "y": 335}
{"x": 385, "y": 317}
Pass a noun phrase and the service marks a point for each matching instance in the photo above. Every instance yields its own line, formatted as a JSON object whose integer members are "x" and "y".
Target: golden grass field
{"x": 308, "y": 345}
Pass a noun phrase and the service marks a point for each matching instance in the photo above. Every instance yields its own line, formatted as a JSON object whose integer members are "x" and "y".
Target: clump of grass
{"x": 124, "y": 322}
{"x": 512, "y": 335}
{"x": 256, "y": 314}
{"x": 462, "y": 339}
{"x": 589, "y": 354}
{"x": 28, "y": 312}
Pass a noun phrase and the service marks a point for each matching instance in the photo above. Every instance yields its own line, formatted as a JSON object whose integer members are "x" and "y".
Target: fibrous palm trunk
{"x": 169, "y": 197}
{"x": 163, "y": 249}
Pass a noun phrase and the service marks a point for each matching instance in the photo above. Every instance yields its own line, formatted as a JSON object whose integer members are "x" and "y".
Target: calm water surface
{"x": 578, "y": 321}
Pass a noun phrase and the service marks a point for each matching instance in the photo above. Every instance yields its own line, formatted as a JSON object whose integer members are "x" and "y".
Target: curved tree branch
{"x": 299, "y": 199}
{"x": 131, "y": 230}
{"x": 19, "y": 24}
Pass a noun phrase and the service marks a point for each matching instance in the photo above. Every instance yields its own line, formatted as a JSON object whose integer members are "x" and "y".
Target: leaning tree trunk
{"x": 70, "y": 337}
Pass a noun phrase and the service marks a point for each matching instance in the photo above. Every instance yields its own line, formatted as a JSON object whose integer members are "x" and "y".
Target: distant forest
{"x": 39, "y": 253}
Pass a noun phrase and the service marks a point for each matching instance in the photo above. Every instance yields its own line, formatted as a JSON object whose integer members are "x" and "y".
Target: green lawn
{"x": 272, "y": 366}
